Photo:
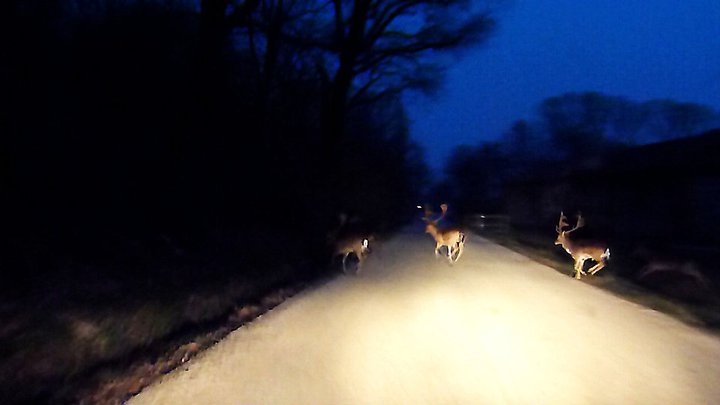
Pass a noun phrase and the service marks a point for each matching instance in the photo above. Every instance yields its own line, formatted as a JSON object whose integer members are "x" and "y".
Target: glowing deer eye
{"x": 365, "y": 243}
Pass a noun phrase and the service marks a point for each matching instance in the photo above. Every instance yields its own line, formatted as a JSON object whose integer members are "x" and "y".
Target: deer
{"x": 359, "y": 245}
{"x": 663, "y": 262}
{"x": 581, "y": 250}
{"x": 346, "y": 242}
{"x": 453, "y": 238}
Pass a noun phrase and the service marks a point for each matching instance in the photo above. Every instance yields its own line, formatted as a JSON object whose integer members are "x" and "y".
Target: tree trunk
{"x": 336, "y": 108}
{"x": 213, "y": 27}
{"x": 269, "y": 66}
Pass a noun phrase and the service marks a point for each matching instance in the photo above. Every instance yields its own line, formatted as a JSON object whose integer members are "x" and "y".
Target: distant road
{"x": 496, "y": 328}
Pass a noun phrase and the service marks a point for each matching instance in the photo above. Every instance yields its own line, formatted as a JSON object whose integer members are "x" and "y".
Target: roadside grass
{"x": 116, "y": 382}
{"x": 75, "y": 333}
{"x": 701, "y": 309}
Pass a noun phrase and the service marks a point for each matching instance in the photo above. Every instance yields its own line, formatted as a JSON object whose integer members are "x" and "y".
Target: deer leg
{"x": 450, "y": 251}
{"x": 460, "y": 248}
{"x": 575, "y": 267}
{"x": 579, "y": 268}
{"x": 437, "y": 250}
{"x": 596, "y": 267}
{"x": 343, "y": 262}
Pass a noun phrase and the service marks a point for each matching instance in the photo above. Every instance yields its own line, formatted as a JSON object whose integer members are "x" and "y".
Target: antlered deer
{"x": 453, "y": 238}
{"x": 581, "y": 250}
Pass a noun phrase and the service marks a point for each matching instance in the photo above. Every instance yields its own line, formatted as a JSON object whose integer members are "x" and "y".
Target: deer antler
{"x": 579, "y": 224}
{"x": 429, "y": 212}
{"x": 444, "y": 208}
{"x": 563, "y": 223}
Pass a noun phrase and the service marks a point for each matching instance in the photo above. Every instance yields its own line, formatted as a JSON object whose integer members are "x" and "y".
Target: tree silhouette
{"x": 373, "y": 49}
{"x": 575, "y": 132}
{"x": 364, "y": 50}
{"x": 129, "y": 122}
{"x": 669, "y": 119}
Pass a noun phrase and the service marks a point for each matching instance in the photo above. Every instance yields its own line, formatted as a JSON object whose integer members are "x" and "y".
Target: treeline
{"x": 223, "y": 129}
{"x": 572, "y": 132}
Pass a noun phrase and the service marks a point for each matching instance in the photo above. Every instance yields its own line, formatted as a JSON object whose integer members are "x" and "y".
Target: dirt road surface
{"x": 496, "y": 328}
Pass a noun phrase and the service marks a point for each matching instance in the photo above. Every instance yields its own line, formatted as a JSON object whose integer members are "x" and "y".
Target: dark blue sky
{"x": 640, "y": 49}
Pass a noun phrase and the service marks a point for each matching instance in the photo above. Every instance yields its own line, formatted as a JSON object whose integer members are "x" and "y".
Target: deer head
{"x": 431, "y": 226}
{"x": 562, "y": 235}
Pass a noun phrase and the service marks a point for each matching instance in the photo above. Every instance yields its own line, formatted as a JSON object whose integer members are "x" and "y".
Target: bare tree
{"x": 377, "y": 48}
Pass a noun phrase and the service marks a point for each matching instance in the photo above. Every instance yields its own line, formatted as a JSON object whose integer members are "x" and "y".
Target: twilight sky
{"x": 640, "y": 49}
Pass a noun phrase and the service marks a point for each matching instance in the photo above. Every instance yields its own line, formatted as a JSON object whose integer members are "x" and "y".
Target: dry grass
{"x": 53, "y": 343}
{"x": 114, "y": 385}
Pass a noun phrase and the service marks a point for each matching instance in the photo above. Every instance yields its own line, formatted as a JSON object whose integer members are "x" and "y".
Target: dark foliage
{"x": 137, "y": 131}
{"x": 158, "y": 149}
{"x": 575, "y": 133}
{"x": 152, "y": 150}
{"x": 652, "y": 202}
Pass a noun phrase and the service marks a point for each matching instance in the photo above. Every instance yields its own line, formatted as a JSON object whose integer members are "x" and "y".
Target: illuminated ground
{"x": 497, "y": 328}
